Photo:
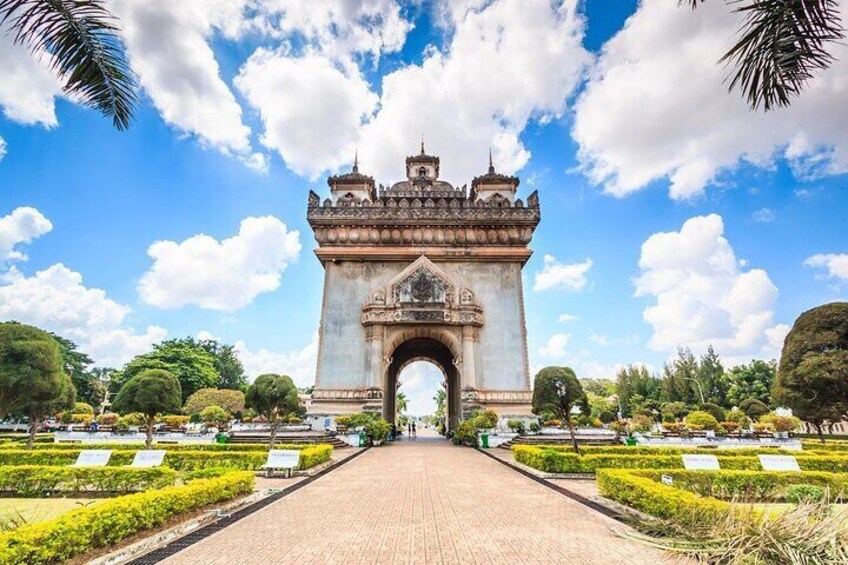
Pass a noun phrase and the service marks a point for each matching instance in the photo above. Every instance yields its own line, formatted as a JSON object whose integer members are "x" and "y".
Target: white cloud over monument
{"x": 220, "y": 275}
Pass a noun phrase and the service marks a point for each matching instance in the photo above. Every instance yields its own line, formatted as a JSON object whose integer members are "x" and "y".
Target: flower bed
{"x": 39, "y": 481}
{"x": 106, "y": 523}
{"x": 181, "y": 460}
{"x": 557, "y": 461}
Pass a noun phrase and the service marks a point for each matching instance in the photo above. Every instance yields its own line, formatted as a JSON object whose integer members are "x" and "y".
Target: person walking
{"x": 409, "y": 429}
{"x": 413, "y": 430}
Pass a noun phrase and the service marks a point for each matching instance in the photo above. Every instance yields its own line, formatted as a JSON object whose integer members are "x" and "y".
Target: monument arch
{"x": 422, "y": 269}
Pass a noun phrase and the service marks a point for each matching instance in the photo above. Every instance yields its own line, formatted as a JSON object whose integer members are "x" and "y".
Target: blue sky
{"x": 672, "y": 215}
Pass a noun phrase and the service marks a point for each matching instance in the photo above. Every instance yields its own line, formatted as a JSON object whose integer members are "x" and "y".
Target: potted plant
{"x": 781, "y": 425}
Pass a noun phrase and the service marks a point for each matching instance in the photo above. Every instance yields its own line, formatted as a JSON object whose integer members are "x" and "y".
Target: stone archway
{"x": 440, "y": 355}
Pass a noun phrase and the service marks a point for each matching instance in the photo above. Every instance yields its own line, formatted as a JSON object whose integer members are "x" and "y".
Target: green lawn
{"x": 36, "y": 509}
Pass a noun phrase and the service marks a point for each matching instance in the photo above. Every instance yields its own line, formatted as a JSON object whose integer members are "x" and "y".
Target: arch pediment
{"x": 422, "y": 293}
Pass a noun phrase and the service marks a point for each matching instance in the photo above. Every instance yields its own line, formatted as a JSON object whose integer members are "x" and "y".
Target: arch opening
{"x": 423, "y": 349}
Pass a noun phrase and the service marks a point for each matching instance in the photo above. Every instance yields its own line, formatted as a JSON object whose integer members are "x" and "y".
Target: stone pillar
{"x": 469, "y": 359}
{"x": 374, "y": 356}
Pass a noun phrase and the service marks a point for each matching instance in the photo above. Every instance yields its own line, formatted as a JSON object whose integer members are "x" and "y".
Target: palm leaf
{"x": 84, "y": 48}
{"x": 781, "y": 45}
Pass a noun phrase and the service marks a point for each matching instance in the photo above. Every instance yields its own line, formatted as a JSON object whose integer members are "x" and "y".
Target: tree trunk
{"x": 573, "y": 437}
{"x": 820, "y": 432}
{"x": 35, "y": 423}
{"x": 148, "y": 443}
{"x": 273, "y": 433}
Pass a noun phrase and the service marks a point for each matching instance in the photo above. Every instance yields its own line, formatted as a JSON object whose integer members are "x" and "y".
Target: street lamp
{"x": 700, "y": 389}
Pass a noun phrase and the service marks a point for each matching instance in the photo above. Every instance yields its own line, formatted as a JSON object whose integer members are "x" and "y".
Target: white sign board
{"x": 700, "y": 462}
{"x": 93, "y": 458}
{"x": 148, "y": 458}
{"x": 283, "y": 459}
{"x": 785, "y": 463}
{"x": 667, "y": 480}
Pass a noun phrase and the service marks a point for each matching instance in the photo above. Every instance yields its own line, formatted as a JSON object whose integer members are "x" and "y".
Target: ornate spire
{"x": 422, "y": 145}
{"x": 491, "y": 165}
{"x": 356, "y": 161}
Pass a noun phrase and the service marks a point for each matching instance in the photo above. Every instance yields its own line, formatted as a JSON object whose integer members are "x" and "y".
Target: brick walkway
{"x": 421, "y": 501}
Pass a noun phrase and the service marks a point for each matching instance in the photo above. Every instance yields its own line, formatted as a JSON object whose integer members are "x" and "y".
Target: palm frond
{"x": 82, "y": 40}
{"x": 782, "y": 43}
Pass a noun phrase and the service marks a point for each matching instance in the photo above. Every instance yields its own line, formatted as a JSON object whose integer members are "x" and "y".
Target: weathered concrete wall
{"x": 501, "y": 354}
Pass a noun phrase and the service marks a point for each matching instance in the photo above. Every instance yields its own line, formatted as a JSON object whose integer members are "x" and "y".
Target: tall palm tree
{"x": 84, "y": 49}
{"x": 402, "y": 403}
{"x": 782, "y": 44}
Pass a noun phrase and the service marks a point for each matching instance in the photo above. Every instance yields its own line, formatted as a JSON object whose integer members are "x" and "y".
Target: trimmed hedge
{"x": 554, "y": 461}
{"x": 178, "y": 446}
{"x": 753, "y": 486}
{"x": 648, "y": 496}
{"x": 35, "y": 480}
{"x": 186, "y": 460}
{"x": 690, "y": 500}
{"x": 106, "y": 523}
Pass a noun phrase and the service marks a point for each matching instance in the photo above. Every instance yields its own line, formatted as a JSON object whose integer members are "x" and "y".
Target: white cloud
{"x": 555, "y": 347}
{"x": 2, "y": 147}
{"x": 21, "y": 226}
{"x": 168, "y": 46}
{"x": 298, "y": 364}
{"x": 599, "y": 339}
{"x": 311, "y": 110}
{"x": 28, "y": 88}
{"x": 764, "y": 215}
{"x": 481, "y": 91}
{"x": 56, "y": 299}
{"x": 340, "y": 28}
{"x": 225, "y": 275}
{"x": 836, "y": 264}
{"x": 703, "y": 295}
{"x": 571, "y": 276}
{"x": 656, "y": 106}
{"x": 563, "y": 318}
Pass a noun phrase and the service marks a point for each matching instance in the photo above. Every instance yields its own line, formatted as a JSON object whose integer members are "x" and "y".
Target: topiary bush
{"x": 700, "y": 420}
{"x": 781, "y": 423}
{"x": 714, "y": 409}
{"x": 753, "y": 408}
{"x": 517, "y": 426}
{"x": 486, "y": 419}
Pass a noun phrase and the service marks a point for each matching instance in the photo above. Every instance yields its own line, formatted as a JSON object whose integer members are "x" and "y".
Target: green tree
{"x": 150, "y": 392}
{"x": 441, "y": 403}
{"x": 557, "y": 390}
{"x": 194, "y": 366}
{"x": 84, "y": 49}
{"x": 753, "y": 408}
{"x": 229, "y": 367}
{"x": 753, "y": 380}
{"x": 599, "y": 387}
{"x": 230, "y": 400}
{"x": 679, "y": 378}
{"x": 812, "y": 377}
{"x": 274, "y": 397}
{"x": 711, "y": 378}
{"x": 635, "y": 385}
{"x": 782, "y": 45}
{"x": 674, "y": 411}
{"x": 33, "y": 382}
{"x": 401, "y": 403}
{"x": 88, "y": 387}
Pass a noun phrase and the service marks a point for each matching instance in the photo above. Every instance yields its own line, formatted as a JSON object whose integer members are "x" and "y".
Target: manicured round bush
{"x": 739, "y": 418}
{"x": 486, "y": 419}
{"x": 214, "y": 415}
{"x": 714, "y": 409}
{"x": 781, "y": 423}
{"x": 606, "y": 417}
{"x": 753, "y": 408}
{"x": 700, "y": 420}
{"x": 517, "y": 426}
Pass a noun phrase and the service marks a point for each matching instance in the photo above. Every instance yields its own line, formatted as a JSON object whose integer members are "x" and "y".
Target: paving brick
{"x": 422, "y": 501}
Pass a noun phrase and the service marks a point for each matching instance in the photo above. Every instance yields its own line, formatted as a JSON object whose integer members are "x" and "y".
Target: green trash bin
{"x": 484, "y": 441}
{"x": 630, "y": 440}
{"x": 361, "y": 439}
{"x": 221, "y": 437}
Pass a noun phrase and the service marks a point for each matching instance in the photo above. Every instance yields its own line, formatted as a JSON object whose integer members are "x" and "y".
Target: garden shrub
{"x": 214, "y": 415}
{"x": 781, "y": 423}
{"x": 40, "y": 481}
{"x": 804, "y": 493}
{"x": 109, "y": 419}
{"x": 465, "y": 433}
{"x": 170, "y": 446}
{"x": 535, "y": 427}
{"x": 108, "y": 522}
{"x": 486, "y": 419}
{"x": 517, "y": 426}
{"x": 230, "y": 400}
{"x": 315, "y": 455}
{"x": 548, "y": 460}
{"x": 715, "y": 410}
{"x": 701, "y": 420}
{"x": 174, "y": 421}
{"x": 738, "y": 417}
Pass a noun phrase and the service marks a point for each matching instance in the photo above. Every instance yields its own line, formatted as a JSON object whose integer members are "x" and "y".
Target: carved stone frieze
{"x": 422, "y": 294}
